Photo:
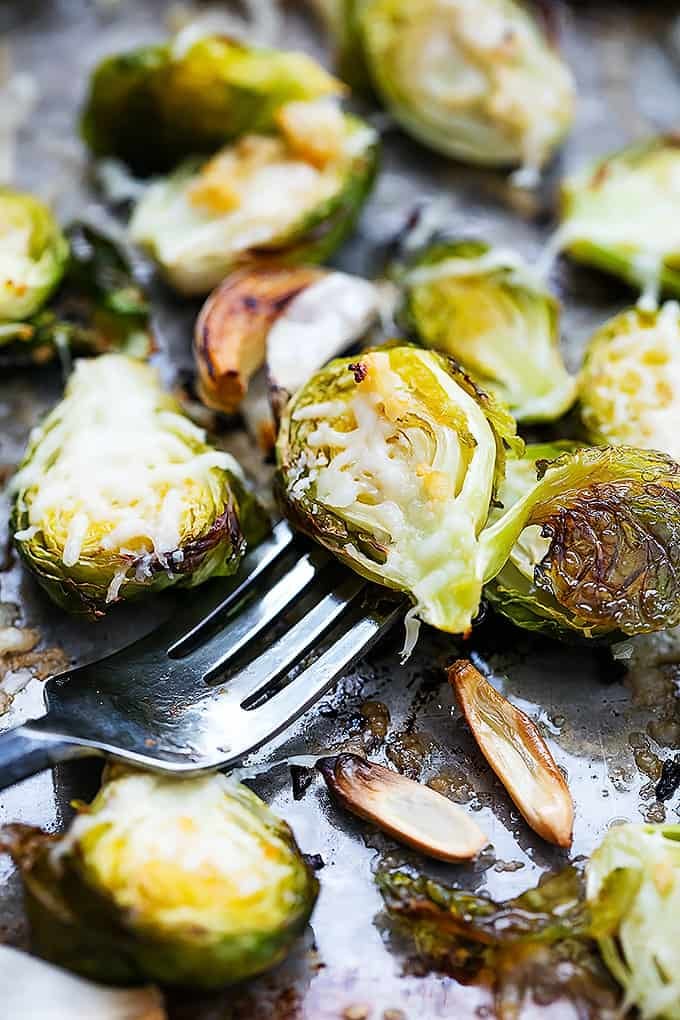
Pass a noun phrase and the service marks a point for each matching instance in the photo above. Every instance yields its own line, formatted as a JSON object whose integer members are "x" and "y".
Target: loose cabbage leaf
{"x": 532, "y": 949}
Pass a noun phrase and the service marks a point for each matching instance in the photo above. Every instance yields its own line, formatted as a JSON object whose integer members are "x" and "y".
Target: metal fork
{"x": 185, "y": 699}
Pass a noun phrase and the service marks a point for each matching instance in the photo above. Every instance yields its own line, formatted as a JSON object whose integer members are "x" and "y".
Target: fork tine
{"x": 262, "y": 723}
{"x": 204, "y": 611}
{"x": 254, "y": 678}
{"x": 211, "y": 658}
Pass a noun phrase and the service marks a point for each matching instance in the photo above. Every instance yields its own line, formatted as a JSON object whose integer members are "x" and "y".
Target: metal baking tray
{"x": 609, "y": 726}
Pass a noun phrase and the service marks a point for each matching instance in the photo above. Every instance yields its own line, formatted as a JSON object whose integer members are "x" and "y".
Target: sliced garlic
{"x": 414, "y": 814}
{"x": 517, "y": 753}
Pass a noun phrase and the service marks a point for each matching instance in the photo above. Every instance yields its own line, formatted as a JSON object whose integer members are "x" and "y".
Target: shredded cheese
{"x": 116, "y": 469}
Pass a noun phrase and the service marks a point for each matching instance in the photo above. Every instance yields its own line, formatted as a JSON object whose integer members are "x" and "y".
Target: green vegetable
{"x": 598, "y": 552}
{"x": 119, "y": 494}
{"x": 191, "y": 882}
{"x": 633, "y": 889}
{"x": 293, "y": 196}
{"x": 391, "y": 461}
{"x": 619, "y": 214}
{"x": 33, "y": 255}
{"x": 481, "y": 307}
{"x": 98, "y": 307}
{"x": 532, "y": 949}
{"x": 154, "y": 106}
{"x": 629, "y": 384}
{"x": 476, "y": 81}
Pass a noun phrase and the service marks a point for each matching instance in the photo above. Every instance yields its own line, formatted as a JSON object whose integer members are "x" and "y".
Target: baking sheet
{"x": 600, "y": 720}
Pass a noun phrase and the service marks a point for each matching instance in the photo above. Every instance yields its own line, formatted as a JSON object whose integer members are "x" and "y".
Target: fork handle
{"x": 24, "y": 752}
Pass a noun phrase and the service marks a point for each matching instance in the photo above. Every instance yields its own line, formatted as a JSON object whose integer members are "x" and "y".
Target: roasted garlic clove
{"x": 411, "y": 812}
{"x": 517, "y": 753}
{"x": 231, "y": 331}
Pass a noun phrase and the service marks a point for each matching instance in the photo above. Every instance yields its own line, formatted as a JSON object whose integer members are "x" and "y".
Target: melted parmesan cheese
{"x": 394, "y": 469}
{"x": 116, "y": 469}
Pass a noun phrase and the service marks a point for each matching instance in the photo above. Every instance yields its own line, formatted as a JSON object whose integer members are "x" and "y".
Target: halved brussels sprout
{"x": 33, "y": 256}
{"x": 633, "y": 890}
{"x": 477, "y": 81}
{"x": 392, "y": 461}
{"x": 98, "y": 307}
{"x": 119, "y": 494}
{"x": 630, "y": 380}
{"x": 190, "y": 882}
{"x": 293, "y": 197}
{"x": 620, "y": 214}
{"x": 597, "y": 547}
{"x": 480, "y": 306}
{"x": 156, "y": 105}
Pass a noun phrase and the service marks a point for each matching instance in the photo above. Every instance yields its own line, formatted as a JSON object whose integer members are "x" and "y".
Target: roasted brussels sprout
{"x": 33, "y": 256}
{"x": 391, "y": 461}
{"x": 293, "y": 196}
{"x": 189, "y": 882}
{"x": 98, "y": 307}
{"x": 597, "y": 548}
{"x": 480, "y": 306}
{"x": 119, "y": 493}
{"x": 633, "y": 889}
{"x": 628, "y": 381}
{"x": 477, "y": 81}
{"x": 619, "y": 214}
{"x": 154, "y": 106}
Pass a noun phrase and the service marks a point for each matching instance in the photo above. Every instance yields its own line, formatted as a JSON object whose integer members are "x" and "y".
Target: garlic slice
{"x": 517, "y": 753}
{"x": 411, "y": 812}
{"x": 33, "y": 988}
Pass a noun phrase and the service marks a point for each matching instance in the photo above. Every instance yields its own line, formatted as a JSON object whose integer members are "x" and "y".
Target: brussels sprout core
{"x": 119, "y": 492}
{"x": 630, "y": 381}
{"x": 621, "y": 214}
{"x": 33, "y": 256}
{"x": 392, "y": 461}
{"x": 293, "y": 196}
{"x": 476, "y": 81}
{"x": 480, "y": 305}
{"x": 190, "y": 882}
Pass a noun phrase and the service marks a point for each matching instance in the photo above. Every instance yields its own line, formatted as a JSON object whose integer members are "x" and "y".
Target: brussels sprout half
{"x": 480, "y": 306}
{"x": 119, "y": 494}
{"x": 633, "y": 890}
{"x": 98, "y": 307}
{"x": 292, "y": 197}
{"x": 597, "y": 542}
{"x": 391, "y": 461}
{"x": 154, "y": 106}
{"x": 190, "y": 882}
{"x": 477, "y": 81}
{"x": 33, "y": 256}
{"x": 620, "y": 214}
{"x": 629, "y": 384}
